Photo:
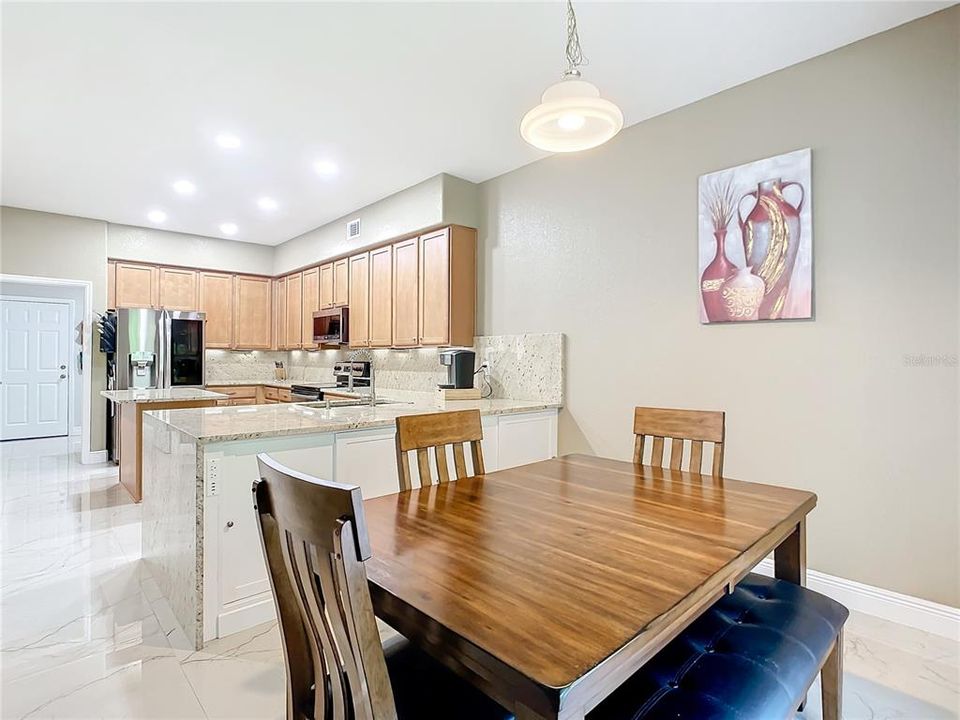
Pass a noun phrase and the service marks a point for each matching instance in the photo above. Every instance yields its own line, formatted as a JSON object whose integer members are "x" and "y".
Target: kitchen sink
{"x": 359, "y": 402}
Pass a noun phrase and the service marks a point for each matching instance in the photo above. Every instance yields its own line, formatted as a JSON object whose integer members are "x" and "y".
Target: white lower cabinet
{"x": 527, "y": 438}
{"x": 368, "y": 458}
{"x": 236, "y": 590}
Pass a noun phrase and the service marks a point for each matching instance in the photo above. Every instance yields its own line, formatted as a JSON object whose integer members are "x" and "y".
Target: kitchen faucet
{"x": 360, "y": 355}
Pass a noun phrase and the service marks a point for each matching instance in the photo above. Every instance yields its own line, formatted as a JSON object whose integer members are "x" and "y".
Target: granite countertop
{"x": 160, "y": 395}
{"x": 221, "y": 424}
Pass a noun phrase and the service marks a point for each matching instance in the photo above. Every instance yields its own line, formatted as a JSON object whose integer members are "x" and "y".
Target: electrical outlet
{"x": 213, "y": 476}
{"x": 489, "y": 355}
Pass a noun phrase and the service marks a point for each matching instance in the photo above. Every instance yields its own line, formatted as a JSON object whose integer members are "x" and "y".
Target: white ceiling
{"x": 105, "y": 105}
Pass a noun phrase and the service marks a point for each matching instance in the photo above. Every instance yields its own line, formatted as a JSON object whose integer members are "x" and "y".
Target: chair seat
{"x": 425, "y": 690}
{"x": 751, "y": 656}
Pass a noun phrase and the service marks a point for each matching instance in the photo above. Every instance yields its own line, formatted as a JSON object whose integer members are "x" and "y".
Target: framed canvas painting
{"x": 756, "y": 241}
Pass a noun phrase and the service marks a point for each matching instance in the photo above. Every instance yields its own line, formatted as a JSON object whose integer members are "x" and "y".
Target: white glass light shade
{"x": 571, "y": 116}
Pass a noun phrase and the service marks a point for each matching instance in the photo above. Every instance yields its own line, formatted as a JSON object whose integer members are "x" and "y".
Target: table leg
{"x": 790, "y": 562}
{"x": 790, "y": 557}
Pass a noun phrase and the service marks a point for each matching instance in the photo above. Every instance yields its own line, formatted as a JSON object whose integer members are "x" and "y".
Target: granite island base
{"x": 199, "y": 527}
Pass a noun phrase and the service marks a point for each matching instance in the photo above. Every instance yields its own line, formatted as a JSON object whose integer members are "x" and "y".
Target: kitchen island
{"x": 199, "y": 527}
{"x": 129, "y": 406}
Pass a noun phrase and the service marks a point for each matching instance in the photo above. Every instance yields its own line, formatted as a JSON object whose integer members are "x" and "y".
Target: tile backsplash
{"x": 522, "y": 367}
{"x": 251, "y": 365}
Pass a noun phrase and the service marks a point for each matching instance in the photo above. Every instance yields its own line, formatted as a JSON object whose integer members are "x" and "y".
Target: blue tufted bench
{"x": 752, "y": 656}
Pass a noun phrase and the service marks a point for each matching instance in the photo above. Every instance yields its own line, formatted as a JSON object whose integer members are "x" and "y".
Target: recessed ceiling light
{"x": 156, "y": 216}
{"x": 228, "y": 141}
{"x": 326, "y": 168}
{"x": 184, "y": 187}
{"x": 267, "y": 203}
{"x": 228, "y": 228}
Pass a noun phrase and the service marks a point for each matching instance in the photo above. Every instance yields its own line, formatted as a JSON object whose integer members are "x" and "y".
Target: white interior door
{"x": 34, "y": 375}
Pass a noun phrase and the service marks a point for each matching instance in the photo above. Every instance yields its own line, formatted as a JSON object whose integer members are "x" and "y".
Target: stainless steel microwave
{"x": 331, "y": 326}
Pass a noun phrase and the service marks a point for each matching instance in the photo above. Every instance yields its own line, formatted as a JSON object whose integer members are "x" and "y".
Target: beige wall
{"x": 60, "y": 246}
{"x": 603, "y": 247}
{"x": 127, "y": 242}
{"x": 416, "y": 207}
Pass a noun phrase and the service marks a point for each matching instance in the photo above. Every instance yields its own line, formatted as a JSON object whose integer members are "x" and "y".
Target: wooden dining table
{"x": 548, "y": 585}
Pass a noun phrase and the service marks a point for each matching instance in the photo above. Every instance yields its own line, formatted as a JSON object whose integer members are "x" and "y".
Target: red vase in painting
{"x": 711, "y": 281}
{"x": 771, "y": 238}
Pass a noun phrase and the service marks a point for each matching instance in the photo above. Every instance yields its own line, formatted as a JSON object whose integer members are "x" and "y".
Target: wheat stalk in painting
{"x": 720, "y": 198}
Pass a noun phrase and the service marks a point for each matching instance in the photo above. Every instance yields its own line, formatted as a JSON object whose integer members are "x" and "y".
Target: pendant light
{"x": 571, "y": 115}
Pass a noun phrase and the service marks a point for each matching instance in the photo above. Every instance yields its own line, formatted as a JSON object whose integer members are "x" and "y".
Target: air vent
{"x": 353, "y": 229}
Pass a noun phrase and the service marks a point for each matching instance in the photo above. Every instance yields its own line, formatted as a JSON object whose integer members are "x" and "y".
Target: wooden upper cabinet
{"x": 406, "y": 295}
{"x": 294, "y": 318}
{"x": 342, "y": 277}
{"x": 137, "y": 286}
{"x": 216, "y": 302}
{"x": 253, "y": 312}
{"x": 448, "y": 286}
{"x": 435, "y": 288}
{"x": 178, "y": 289}
{"x": 381, "y": 297}
{"x": 311, "y": 303}
{"x": 415, "y": 292}
{"x": 280, "y": 313}
{"x": 359, "y": 300}
{"x": 326, "y": 286}
{"x": 111, "y": 285}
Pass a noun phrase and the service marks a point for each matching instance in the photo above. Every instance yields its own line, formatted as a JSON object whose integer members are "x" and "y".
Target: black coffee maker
{"x": 459, "y": 364}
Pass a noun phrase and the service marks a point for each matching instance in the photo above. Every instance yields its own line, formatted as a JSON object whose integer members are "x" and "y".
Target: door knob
{"x": 63, "y": 367}
{"x": 63, "y": 377}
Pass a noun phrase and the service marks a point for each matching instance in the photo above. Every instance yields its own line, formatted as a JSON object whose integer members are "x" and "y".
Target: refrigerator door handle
{"x": 163, "y": 337}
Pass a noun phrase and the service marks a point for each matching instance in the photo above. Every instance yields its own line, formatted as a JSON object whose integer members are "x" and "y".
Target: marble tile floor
{"x": 86, "y": 633}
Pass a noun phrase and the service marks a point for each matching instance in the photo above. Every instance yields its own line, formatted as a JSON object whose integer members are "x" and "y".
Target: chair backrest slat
{"x": 438, "y": 431}
{"x": 315, "y": 542}
{"x": 443, "y": 472}
{"x": 459, "y": 461}
{"x": 718, "y": 459}
{"x": 423, "y": 465}
{"x": 657, "y": 457}
{"x": 638, "y": 446}
{"x": 696, "y": 426}
{"x": 696, "y": 453}
{"x": 676, "y": 453}
{"x": 476, "y": 451}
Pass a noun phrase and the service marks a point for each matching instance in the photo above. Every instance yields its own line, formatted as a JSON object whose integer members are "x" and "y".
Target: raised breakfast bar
{"x": 199, "y": 528}
{"x": 129, "y": 406}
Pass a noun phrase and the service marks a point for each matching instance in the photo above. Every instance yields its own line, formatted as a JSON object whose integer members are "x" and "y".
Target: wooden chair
{"x": 437, "y": 430}
{"x": 698, "y": 426}
{"x": 314, "y": 539}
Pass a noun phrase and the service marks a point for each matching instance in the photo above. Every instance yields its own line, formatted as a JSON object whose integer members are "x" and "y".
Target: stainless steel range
{"x": 350, "y": 376}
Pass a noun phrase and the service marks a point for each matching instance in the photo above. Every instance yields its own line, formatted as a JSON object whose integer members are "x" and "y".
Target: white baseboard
{"x": 249, "y": 613}
{"x": 896, "y": 607}
{"x": 92, "y": 457}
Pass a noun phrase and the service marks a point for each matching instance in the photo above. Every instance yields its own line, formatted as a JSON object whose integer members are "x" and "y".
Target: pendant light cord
{"x": 575, "y": 56}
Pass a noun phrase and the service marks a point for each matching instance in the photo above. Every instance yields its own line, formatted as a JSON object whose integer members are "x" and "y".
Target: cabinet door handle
{"x": 229, "y": 523}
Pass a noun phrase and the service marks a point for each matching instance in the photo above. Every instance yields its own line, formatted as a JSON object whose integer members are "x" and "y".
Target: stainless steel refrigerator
{"x": 154, "y": 349}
